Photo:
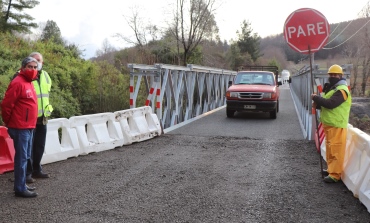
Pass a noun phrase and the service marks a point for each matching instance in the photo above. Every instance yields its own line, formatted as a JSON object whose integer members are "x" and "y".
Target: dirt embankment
{"x": 360, "y": 113}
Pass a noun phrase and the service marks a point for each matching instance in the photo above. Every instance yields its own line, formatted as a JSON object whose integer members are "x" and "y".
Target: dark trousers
{"x": 38, "y": 148}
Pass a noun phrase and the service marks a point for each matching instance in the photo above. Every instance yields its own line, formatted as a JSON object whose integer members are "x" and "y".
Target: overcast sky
{"x": 87, "y": 23}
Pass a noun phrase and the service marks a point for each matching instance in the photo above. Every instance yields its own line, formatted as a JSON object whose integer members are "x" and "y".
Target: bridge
{"x": 180, "y": 159}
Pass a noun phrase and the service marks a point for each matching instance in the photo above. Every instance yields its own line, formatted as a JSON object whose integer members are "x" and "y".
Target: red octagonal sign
{"x": 306, "y": 30}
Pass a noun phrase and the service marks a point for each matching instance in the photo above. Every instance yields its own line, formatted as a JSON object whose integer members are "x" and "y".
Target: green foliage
{"x": 13, "y": 20}
{"x": 248, "y": 42}
{"x": 195, "y": 57}
{"x": 52, "y": 33}
{"x": 237, "y": 59}
{"x": 274, "y": 62}
{"x": 78, "y": 86}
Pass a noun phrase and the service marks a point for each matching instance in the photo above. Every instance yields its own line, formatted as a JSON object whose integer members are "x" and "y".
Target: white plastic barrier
{"x": 138, "y": 124}
{"x": 57, "y": 149}
{"x": 114, "y": 130}
{"x": 350, "y": 143}
{"x": 92, "y": 132}
{"x": 81, "y": 135}
{"x": 358, "y": 162}
{"x": 323, "y": 149}
{"x": 364, "y": 194}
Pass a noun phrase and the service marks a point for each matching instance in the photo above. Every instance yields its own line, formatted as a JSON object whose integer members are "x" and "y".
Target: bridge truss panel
{"x": 178, "y": 93}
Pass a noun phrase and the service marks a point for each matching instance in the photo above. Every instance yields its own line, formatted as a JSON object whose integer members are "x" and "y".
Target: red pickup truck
{"x": 254, "y": 90}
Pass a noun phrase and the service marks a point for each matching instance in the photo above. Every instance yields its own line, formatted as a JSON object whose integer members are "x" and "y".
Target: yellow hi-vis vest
{"x": 337, "y": 117}
{"x": 43, "y": 87}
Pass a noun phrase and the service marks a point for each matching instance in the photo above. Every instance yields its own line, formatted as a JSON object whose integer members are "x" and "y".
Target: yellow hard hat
{"x": 335, "y": 69}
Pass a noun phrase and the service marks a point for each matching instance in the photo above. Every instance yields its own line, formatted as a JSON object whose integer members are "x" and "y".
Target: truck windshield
{"x": 255, "y": 78}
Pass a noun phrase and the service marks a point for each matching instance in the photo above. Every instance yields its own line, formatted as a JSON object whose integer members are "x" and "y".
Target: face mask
{"x": 39, "y": 66}
{"x": 30, "y": 74}
{"x": 333, "y": 80}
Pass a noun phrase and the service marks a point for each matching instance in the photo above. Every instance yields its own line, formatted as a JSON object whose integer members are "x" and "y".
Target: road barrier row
{"x": 356, "y": 173}
{"x": 81, "y": 135}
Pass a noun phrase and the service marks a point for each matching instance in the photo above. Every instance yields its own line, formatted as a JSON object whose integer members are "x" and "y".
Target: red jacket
{"x": 19, "y": 106}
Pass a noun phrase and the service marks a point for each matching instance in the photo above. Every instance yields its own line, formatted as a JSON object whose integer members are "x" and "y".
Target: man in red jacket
{"x": 19, "y": 113}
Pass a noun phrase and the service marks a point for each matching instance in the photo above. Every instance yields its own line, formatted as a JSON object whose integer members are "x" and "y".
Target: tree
{"x": 248, "y": 42}
{"x": 192, "y": 25}
{"x": 234, "y": 57}
{"x": 365, "y": 55}
{"x": 12, "y": 18}
{"x": 142, "y": 33}
{"x": 52, "y": 32}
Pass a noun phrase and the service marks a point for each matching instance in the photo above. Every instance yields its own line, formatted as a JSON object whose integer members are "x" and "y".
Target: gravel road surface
{"x": 215, "y": 169}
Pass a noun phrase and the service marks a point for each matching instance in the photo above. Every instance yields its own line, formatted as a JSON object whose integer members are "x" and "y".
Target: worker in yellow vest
{"x": 42, "y": 86}
{"x": 335, "y": 107}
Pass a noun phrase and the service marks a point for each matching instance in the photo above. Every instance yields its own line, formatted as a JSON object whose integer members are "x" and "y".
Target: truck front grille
{"x": 250, "y": 95}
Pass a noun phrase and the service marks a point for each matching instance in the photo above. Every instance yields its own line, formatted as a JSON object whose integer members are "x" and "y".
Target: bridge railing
{"x": 178, "y": 93}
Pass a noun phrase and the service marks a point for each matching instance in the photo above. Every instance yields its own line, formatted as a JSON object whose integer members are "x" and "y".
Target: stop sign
{"x": 306, "y": 30}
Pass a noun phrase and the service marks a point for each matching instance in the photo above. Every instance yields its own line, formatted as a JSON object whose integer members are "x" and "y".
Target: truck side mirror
{"x": 230, "y": 83}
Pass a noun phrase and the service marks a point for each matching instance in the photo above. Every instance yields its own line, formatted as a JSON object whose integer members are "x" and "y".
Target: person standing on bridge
{"x": 335, "y": 105}
{"x": 19, "y": 114}
{"x": 42, "y": 85}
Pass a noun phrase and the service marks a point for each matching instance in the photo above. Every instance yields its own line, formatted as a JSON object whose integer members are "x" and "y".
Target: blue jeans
{"x": 22, "y": 139}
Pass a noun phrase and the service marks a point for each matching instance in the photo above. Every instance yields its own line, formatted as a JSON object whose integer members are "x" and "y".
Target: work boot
{"x": 40, "y": 175}
{"x": 29, "y": 179}
{"x": 325, "y": 172}
{"x": 25, "y": 194}
{"x": 30, "y": 188}
{"x": 329, "y": 179}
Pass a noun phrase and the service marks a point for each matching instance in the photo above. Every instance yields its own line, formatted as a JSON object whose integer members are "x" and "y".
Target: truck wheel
{"x": 273, "y": 114}
{"x": 277, "y": 105}
{"x": 230, "y": 113}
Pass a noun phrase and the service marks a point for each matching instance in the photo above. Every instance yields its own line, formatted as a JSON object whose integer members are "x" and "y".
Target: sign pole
{"x": 314, "y": 112}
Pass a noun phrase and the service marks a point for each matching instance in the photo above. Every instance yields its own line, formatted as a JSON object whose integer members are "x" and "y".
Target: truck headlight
{"x": 232, "y": 94}
{"x": 266, "y": 95}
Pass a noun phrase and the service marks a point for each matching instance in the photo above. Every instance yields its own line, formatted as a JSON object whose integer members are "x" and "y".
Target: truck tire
{"x": 277, "y": 105}
{"x": 230, "y": 113}
{"x": 273, "y": 113}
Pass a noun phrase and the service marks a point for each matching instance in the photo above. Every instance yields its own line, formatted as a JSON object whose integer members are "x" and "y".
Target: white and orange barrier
{"x": 60, "y": 145}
